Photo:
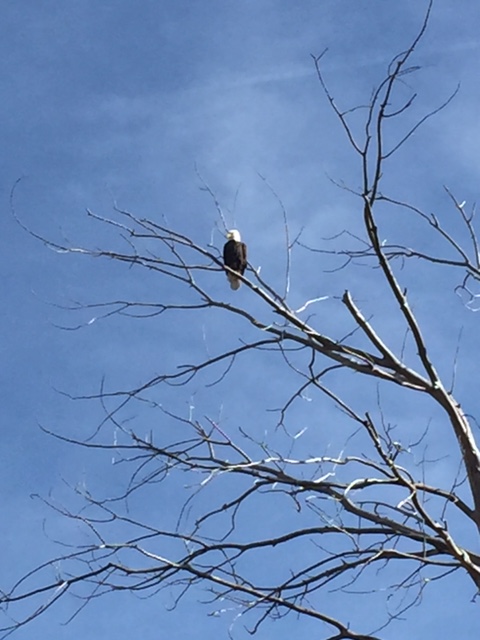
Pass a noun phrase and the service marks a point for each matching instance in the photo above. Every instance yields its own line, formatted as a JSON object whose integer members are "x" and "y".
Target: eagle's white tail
{"x": 234, "y": 281}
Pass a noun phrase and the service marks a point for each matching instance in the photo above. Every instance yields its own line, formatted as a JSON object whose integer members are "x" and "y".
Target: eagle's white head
{"x": 234, "y": 234}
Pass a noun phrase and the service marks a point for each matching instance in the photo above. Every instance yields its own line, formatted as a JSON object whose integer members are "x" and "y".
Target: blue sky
{"x": 124, "y": 102}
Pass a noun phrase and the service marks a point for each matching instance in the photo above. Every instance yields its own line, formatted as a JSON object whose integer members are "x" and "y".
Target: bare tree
{"x": 274, "y": 526}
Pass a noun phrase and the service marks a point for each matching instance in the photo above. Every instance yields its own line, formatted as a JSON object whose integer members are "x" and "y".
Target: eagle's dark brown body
{"x": 235, "y": 257}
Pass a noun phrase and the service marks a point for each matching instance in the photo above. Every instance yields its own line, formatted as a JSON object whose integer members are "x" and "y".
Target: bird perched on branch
{"x": 235, "y": 256}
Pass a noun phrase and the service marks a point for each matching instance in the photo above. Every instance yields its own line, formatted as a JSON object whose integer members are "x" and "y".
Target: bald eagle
{"x": 235, "y": 256}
